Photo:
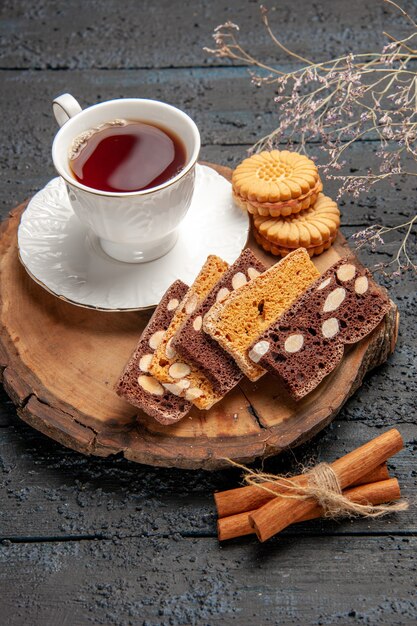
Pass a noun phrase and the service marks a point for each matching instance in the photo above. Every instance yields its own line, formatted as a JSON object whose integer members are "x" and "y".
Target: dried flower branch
{"x": 338, "y": 102}
{"x": 373, "y": 236}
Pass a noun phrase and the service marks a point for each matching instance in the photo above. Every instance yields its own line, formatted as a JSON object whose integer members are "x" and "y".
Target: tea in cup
{"x": 129, "y": 169}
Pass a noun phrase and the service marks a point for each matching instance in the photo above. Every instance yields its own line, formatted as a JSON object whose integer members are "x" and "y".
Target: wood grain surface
{"x": 105, "y": 541}
{"x": 61, "y": 364}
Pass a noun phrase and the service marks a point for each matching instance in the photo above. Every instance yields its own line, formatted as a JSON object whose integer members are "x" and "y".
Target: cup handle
{"x": 64, "y": 107}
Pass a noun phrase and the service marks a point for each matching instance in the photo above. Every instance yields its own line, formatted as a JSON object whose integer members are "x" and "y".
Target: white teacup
{"x": 135, "y": 226}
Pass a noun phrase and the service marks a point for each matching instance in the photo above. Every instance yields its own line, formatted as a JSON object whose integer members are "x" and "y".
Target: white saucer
{"x": 63, "y": 256}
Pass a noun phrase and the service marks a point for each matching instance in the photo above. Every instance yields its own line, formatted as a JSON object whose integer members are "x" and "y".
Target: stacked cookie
{"x": 282, "y": 191}
{"x": 244, "y": 320}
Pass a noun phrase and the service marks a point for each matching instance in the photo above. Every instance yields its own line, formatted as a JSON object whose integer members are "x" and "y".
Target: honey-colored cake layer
{"x": 177, "y": 375}
{"x": 246, "y": 313}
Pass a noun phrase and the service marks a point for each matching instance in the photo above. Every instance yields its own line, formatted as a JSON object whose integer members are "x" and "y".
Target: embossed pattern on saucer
{"x": 65, "y": 258}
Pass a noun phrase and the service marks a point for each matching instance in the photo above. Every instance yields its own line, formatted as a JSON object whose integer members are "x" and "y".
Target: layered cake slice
{"x": 199, "y": 348}
{"x": 175, "y": 373}
{"x": 238, "y": 321}
{"x": 136, "y": 385}
{"x": 307, "y": 342}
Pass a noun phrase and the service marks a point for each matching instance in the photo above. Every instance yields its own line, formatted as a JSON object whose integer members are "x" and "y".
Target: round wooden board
{"x": 60, "y": 363}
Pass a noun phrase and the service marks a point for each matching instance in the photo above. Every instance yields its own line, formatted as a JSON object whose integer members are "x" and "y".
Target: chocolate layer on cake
{"x": 136, "y": 385}
{"x": 198, "y": 347}
{"x": 307, "y": 342}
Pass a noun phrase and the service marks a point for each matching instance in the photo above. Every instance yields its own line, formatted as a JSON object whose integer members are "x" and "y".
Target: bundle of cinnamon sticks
{"x": 362, "y": 476}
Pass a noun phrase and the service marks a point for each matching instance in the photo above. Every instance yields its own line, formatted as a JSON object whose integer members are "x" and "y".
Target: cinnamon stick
{"x": 373, "y": 493}
{"x": 249, "y": 498}
{"x": 279, "y": 513}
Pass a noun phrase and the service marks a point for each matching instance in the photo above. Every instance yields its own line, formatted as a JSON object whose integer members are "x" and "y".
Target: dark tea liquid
{"x": 126, "y": 155}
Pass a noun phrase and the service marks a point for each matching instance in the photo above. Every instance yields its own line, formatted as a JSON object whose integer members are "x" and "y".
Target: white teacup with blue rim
{"x": 134, "y": 226}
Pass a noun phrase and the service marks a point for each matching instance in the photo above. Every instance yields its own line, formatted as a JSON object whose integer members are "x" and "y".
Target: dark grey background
{"x": 105, "y": 541}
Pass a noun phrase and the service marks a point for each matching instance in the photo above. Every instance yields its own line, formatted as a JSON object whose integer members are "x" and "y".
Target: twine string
{"x": 325, "y": 488}
{"x": 322, "y": 485}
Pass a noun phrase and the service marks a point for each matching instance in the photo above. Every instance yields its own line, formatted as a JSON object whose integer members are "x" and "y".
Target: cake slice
{"x": 136, "y": 385}
{"x": 237, "y": 322}
{"x": 307, "y": 342}
{"x": 176, "y": 374}
{"x": 199, "y": 348}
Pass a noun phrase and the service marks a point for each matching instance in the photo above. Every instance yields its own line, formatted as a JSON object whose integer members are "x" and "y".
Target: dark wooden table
{"x": 105, "y": 541}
